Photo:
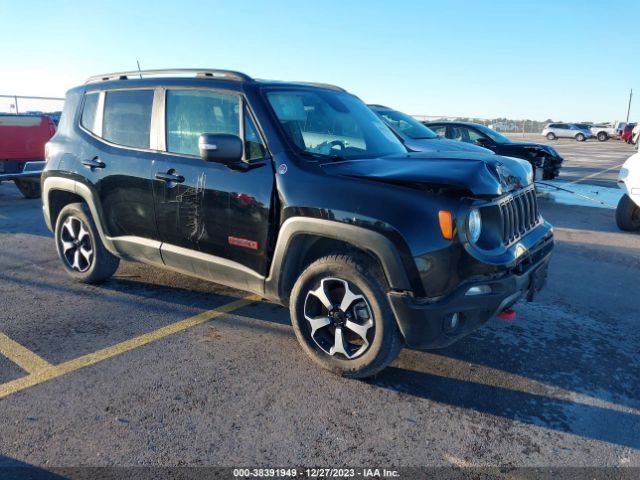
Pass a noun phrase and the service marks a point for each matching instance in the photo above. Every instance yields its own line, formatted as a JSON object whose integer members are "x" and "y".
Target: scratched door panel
{"x": 192, "y": 213}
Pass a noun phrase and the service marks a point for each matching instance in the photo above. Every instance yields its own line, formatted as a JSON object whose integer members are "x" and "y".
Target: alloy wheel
{"x": 75, "y": 244}
{"x": 340, "y": 320}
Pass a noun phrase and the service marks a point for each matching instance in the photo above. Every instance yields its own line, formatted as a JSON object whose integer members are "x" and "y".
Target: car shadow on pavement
{"x": 562, "y": 415}
{"x": 12, "y": 469}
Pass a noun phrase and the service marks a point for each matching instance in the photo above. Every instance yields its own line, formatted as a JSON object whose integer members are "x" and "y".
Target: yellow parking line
{"x": 21, "y": 356}
{"x": 54, "y": 371}
{"x": 593, "y": 175}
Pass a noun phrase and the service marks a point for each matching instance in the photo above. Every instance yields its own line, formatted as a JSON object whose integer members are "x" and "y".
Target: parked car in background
{"x": 416, "y": 137}
{"x": 627, "y": 132}
{"x": 544, "y": 159}
{"x": 628, "y": 209}
{"x": 22, "y": 145}
{"x": 605, "y": 131}
{"x": 566, "y": 130}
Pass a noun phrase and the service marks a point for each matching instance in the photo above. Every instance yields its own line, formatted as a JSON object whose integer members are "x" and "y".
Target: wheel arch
{"x": 57, "y": 192}
{"x": 303, "y": 240}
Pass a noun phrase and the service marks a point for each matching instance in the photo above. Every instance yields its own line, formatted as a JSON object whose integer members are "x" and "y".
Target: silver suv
{"x": 566, "y": 130}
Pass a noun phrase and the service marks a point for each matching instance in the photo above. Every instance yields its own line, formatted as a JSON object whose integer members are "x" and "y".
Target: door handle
{"x": 94, "y": 162}
{"x": 170, "y": 177}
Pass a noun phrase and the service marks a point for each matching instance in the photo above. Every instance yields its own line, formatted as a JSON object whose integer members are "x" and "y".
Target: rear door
{"x": 116, "y": 160}
{"x": 206, "y": 207}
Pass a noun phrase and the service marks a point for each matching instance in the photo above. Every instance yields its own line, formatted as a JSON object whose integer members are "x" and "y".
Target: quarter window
{"x": 190, "y": 113}
{"x": 253, "y": 146}
{"x": 127, "y": 117}
{"x": 88, "y": 120}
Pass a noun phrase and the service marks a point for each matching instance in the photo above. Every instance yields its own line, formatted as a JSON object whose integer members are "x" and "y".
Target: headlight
{"x": 474, "y": 225}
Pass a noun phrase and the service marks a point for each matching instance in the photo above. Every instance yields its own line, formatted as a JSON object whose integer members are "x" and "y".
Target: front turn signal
{"x": 446, "y": 224}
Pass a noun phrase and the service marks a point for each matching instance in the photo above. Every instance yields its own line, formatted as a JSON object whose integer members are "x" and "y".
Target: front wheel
{"x": 551, "y": 136}
{"x": 602, "y": 136}
{"x": 80, "y": 248}
{"x": 342, "y": 318}
{"x": 628, "y": 214}
{"x": 580, "y": 137}
{"x": 28, "y": 189}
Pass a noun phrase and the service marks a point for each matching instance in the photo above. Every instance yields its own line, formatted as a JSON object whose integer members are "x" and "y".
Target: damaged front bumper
{"x": 438, "y": 324}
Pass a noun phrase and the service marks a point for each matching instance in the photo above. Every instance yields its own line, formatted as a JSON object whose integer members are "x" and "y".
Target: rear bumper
{"x": 10, "y": 170}
{"x": 428, "y": 325}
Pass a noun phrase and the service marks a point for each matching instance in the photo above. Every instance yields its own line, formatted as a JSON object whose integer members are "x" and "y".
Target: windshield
{"x": 493, "y": 135}
{"x": 332, "y": 124}
{"x": 406, "y": 124}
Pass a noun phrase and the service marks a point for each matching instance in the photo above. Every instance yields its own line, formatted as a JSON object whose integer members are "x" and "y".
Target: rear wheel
{"x": 580, "y": 137}
{"x": 602, "y": 136}
{"x": 80, "y": 248}
{"x": 28, "y": 188}
{"x": 342, "y": 318}
{"x": 628, "y": 214}
{"x": 551, "y": 136}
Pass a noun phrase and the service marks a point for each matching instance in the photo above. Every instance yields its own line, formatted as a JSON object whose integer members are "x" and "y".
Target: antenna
{"x": 139, "y": 69}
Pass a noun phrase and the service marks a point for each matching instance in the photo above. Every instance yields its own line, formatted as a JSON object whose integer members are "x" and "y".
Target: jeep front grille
{"x": 519, "y": 214}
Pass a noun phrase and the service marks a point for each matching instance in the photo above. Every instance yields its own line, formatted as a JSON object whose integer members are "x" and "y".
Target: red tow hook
{"x": 507, "y": 314}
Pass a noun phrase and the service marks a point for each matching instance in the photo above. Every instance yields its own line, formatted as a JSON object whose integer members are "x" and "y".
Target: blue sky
{"x": 568, "y": 60}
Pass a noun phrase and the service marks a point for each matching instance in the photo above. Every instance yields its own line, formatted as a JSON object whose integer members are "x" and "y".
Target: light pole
{"x": 629, "y": 107}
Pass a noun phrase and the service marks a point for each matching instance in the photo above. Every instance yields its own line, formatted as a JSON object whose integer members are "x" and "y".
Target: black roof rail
{"x": 198, "y": 72}
{"x": 376, "y": 105}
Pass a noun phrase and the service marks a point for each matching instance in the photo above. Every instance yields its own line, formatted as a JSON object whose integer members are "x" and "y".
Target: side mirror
{"x": 483, "y": 142}
{"x": 220, "y": 147}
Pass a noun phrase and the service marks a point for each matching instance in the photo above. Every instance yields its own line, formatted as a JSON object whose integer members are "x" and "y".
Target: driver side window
{"x": 474, "y": 135}
{"x": 439, "y": 129}
{"x": 190, "y": 113}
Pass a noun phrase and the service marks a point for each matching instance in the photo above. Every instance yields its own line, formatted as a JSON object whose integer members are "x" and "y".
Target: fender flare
{"x": 367, "y": 240}
{"x": 50, "y": 184}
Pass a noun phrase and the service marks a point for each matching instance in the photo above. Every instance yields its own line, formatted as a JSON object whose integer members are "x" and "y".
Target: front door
{"x": 206, "y": 212}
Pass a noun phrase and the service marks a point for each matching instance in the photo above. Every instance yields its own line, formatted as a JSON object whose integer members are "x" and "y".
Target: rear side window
{"x": 88, "y": 120}
{"x": 127, "y": 117}
{"x": 190, "y": 113}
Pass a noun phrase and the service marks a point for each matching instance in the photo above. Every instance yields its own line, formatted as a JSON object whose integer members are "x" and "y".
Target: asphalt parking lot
{"x": 155, "y": 368}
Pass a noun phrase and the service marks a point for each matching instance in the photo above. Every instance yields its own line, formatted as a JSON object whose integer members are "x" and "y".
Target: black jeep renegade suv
{"x": 299, "y": 193}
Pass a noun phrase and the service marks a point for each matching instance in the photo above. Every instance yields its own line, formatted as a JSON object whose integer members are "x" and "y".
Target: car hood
{"x": 442, "y": 145}
{"x": 481, "y": 174}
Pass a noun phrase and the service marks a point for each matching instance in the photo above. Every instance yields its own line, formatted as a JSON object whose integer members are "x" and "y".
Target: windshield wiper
{"x": 334, "y": 157}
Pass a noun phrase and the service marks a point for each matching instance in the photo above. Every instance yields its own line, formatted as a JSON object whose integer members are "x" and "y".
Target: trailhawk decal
{"x": 243, "y": 242}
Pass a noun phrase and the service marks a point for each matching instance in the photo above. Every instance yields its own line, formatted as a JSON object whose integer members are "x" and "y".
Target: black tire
{"x": 75, "y": 235}
{"x": 28, "y": 188}
{"x": 628, "y": 214}
{"x": 551, "y": 136}
{"x": 580, "y": 137}
{"x": 602, "y": 136}
{"x": 363, "y": 279}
